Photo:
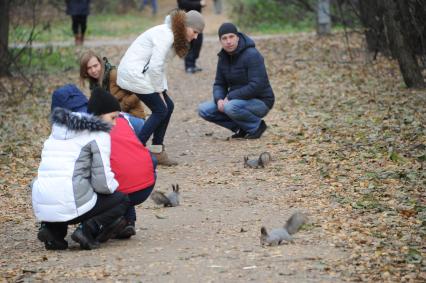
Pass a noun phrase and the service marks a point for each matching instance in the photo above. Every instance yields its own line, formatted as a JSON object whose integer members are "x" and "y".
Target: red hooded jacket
{"x": 131, "y": 161}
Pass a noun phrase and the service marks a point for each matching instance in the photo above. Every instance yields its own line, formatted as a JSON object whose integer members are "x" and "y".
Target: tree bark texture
{"x": 400, "y": 48}
{"x": 372, "y": 20}
{"x": 4, "y": 37}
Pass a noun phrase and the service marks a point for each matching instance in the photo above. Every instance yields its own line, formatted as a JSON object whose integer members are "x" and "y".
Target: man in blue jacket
{"x": 241, "y": 91}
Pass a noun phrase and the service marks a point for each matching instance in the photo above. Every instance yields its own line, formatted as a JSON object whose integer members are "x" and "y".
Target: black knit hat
{"x": 227, "y": 28}
{"x": 102, "y": 102}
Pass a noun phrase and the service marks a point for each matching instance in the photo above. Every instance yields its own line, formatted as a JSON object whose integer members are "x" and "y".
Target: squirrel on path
{"x": 171, "y": 200}
{"x": 280, "y": 235}
{"x": 261, "y": 162}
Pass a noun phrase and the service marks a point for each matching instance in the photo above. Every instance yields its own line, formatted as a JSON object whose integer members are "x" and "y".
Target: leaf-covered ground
{"x": 348, "y": 145}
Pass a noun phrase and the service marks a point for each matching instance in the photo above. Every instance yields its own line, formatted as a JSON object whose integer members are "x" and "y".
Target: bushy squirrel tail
{"x": 264, "y": 159}
{"x": 294, "y": 223}
{"x": 160, "y": 198}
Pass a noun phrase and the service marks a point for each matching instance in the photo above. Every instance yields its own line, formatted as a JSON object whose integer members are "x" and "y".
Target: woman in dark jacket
{"x": 78, "y": 10}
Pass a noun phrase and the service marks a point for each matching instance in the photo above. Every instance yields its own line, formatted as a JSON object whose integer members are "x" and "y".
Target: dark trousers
{"x": 106, "y": 210}
{"x": 79, "y": 22}
{"x": 158, "y": 120}
{"x": 135, "y": 199}
{"x": 194, "y": 52}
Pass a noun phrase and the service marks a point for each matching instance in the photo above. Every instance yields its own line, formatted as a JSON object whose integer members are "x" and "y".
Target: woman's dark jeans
{"x": 159, "y": 119}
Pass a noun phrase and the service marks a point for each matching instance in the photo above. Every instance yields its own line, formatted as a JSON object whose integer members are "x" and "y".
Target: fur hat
{"x": 102, "y": 102}
{"x": 227, "y": 28}
{"x": 194, "y": 20}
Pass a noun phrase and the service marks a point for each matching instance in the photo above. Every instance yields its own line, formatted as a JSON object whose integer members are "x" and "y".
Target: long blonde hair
{"x": 84, "y": 59}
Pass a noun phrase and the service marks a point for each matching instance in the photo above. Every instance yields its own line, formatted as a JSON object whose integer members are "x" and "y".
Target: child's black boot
{"x": 51, "y": 242}
{"x": 84, "y": 236}
{"x": 128, "y": 231}
{"x": 111, "y": 230}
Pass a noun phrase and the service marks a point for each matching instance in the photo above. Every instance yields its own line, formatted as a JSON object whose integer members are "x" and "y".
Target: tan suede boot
{"x": 78, "y": 39}
{"x": 160, "y": 153}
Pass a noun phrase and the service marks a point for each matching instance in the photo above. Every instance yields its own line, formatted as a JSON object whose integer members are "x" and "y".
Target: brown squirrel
{"x": 261, "y": 162}
{"x": 171, "y": 200}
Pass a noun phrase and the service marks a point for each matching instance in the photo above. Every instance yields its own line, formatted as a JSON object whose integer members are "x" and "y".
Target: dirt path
{"x": 214, "y": 235}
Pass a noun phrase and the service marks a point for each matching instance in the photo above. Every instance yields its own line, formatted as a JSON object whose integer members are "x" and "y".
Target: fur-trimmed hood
{"x": 67, "y": 124}
{"x": 176, "y": 21}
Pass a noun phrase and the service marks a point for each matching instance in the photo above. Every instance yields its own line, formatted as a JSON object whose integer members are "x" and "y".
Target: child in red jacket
{"x": 131, "y": 162}
{"x": 134, "y": 169}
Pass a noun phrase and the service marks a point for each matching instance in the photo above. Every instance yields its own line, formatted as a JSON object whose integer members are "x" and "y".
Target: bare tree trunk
{"x": 4, "y": 38}
{"x": 408, "y": 64}
{"x": 372, "y": 20}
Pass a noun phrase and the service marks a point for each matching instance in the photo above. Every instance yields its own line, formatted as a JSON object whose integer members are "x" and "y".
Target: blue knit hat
{"x": 69, "y": 97}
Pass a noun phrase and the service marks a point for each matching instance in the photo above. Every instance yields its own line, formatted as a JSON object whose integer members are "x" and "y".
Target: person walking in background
{"x": 100, "y": 73}
{"x": 242, "y": 94}
{"x": 79, "y": 11}
{"x": 196, "y": 44}
{"x": 217, "y": 6}
{"x": 142, "y": 70}
{"x": 153, "y": 6}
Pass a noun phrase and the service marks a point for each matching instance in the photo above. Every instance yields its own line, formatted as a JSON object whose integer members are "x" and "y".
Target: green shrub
{"x": 271, "y": 16}
{"x": 44, "y": 60}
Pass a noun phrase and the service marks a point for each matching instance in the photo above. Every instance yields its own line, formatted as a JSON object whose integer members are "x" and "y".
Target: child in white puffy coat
{"x": 75, "y": 183}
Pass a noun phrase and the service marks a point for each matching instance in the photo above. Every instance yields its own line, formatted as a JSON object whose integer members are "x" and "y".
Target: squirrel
{"x": 261, "y": 162}
{"x": 277, "y": 236}
{"x": 171, "y": 200}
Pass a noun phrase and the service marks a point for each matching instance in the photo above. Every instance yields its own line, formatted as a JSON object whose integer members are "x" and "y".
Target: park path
{"x": 213, "y": 236}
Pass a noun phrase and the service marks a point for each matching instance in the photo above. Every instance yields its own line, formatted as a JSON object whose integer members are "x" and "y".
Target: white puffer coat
{"x": 142, "y": 69}
{"x": 75, "y": 166}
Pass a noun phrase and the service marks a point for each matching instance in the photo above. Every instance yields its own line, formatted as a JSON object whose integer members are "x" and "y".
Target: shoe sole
{"x": 56, "y": 246}
{"x": 258, "y": 136}
{"x": 126, "y": 233}
{"x": 78, "y": 237}
{"x": 118, "y": 225}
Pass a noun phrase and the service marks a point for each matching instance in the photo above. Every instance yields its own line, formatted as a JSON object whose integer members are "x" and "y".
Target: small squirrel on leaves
{"x": 277, "y": 236}
{"x": 261, "y": 162}
{"x": 171, "y": 200}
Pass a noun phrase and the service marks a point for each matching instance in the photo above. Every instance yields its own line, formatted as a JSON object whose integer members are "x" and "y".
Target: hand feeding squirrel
{"x": 280, "y": 235}
{"x": 261, "y": 162}
{"x": 171, "y": 200}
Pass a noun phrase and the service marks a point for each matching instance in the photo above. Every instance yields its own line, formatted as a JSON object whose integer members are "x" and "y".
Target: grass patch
{"x": 279, "y": 28}
{"x": 99, "y": 26}
{"x": 48, "y": 60}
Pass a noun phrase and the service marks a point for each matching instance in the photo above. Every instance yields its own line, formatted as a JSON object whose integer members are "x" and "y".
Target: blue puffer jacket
{"x": 242, "y": 75}
{"x": 78, "y": 7}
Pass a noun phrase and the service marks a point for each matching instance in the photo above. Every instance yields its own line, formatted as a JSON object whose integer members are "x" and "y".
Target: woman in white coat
{"x": 142, "y": 71}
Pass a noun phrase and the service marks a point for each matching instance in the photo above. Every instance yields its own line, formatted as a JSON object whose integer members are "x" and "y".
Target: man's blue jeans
{"x": 238, "y": 114}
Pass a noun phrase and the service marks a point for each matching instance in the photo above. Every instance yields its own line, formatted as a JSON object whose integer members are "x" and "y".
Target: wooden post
{"x": 323, "y": 17}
